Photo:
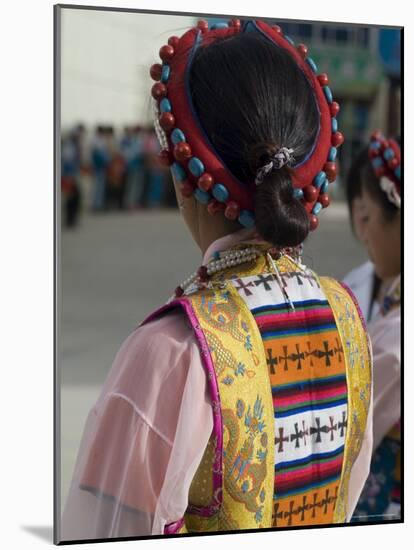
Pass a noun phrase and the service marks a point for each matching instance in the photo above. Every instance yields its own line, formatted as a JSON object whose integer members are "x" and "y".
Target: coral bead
{"x": 166, "y": 52}
{"x": 202, "y": 25}
{"x": 182, "y": 151}
{"x": 173, "y": 41}
{"x": 313, "y": 222}
{"x": 334, "y": 107}
{"x": 303, "y": 50}
{"x": 337, "y": 139}
{"x": 330, "y": 169}
{"x": 393, "y": 163}
{"x": 155, "y": 71}
{"x": 159, "y": 90}
{"x": 167, "y": 121}
{"x": 380, "y": 171}
{"x": 205, "y": 182}
{"x": 310, "y": 193}
{"x": 323, "y": 79}
{"x": 324, "y": 200}
{"x": 372, "y": 153}
{"x": 186, "y": 189}
{"x": 215, "y": 206}
{"x": 277, "y": 29}
{"x": 232, "y": 210}
{"x": 164, "y": 158}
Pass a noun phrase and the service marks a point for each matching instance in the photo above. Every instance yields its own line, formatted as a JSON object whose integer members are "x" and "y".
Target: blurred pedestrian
{"x": 100, "y": 158}
{"x": 374, "y": 199}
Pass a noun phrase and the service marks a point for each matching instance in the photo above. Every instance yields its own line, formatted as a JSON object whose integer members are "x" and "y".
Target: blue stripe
{"x": 282, "y": 305}
{"x": 313, "y": 457}
{"x": 279, "y": 414}
{"x": 309, "y": 382}
{"x": 293, "y": 331}
{"x": 304, "y": 488}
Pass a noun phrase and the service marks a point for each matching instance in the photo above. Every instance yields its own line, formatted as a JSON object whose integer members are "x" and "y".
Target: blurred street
{"x": 116, "y": 269}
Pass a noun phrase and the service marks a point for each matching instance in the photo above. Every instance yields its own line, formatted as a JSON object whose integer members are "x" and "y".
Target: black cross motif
{"x": 314, "y": 504}
{"x": 291, "y": 512}
{"x": 298, "y": 356}
{"x": 339, "y": 350}
{"x": 276, "y": 514}
{"x": 333, "y": 427}
{"x": 304, "y": 508}
{"x": 271, "y": 361}
{"x": 311, "y": 279}
{"x": 299, "y": 434}
{"x": 262, "y": 280}
{"x": 244, "y": 286}
{"x": 298, "y": 276}
{"x": 318, "y": 430}
{"x": 285, "y": 357}
{"x": 279, "y": 440}
{"x": 325, "y": 501}
{"x": 342, "y": 424}
{"x": 309, "y": 353}
{"x": 325, "y": 353}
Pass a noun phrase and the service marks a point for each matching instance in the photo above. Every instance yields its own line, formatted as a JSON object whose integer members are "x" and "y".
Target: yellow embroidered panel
{"x": 359, "y": 372}
{"x": 246, "y": 404}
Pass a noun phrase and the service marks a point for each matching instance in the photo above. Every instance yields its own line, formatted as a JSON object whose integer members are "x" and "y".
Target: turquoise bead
{"x": 220, "y": 192}
{"x": 216, "y": 255}
{"x": 246, "y": 218}
{"x": 324, "y": 187}
{"x": 298, "y": 193}
{"x": 319, "y": 179}
{"x": 375, "y": 145}
{"x": 289, "y": 40}
{"x": 165, "y": 105}
{"x": 219, "y": 26}
{"x": 397, "y": 172}
{"x": 202, "y": 196}
{"x": 332, "y": 154}
{"x": 317, "y": 208}
{"x": 328, "y": 94}
{"x": 196, "y": 167}
{"x": 388, "y": 153}
{"x": 377, "y": 162}
{"x": 312, "y": 64}
{"x": 165, "y": 73}
{"x": 178, "y": 172}
{"x": 334, "y": 125}
{"x": 177, "y": 135}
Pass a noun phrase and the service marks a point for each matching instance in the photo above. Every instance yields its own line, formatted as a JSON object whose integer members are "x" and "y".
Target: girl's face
{"x": 381, "y": 237}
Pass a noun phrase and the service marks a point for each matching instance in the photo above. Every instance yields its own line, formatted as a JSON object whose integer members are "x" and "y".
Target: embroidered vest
{"x": 290, "y": 388}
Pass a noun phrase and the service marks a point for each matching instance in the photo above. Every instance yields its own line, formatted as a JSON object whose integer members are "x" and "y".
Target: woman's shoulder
{"x": 153, "y": 354}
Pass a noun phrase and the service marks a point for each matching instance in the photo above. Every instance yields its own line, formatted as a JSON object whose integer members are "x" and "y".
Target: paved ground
{"x": 117, "y": 268}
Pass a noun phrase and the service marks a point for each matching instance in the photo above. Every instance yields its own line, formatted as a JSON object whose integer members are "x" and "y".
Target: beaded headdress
{"x": 191, "y": 156}
{"x": 385, "y": 155}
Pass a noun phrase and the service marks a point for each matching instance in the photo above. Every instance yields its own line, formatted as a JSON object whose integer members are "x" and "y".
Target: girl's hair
{"x": 251, "y": 98}
{"x": 361, "y": 175}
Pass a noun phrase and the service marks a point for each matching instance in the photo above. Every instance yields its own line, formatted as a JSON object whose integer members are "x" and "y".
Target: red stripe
{"x": 312, "y": 472}
{"x": 294, "y": 318}
{"x": 310, "y": 395}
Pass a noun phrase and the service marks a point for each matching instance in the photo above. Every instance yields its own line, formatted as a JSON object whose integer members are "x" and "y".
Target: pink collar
{"x": 248, "y": 234}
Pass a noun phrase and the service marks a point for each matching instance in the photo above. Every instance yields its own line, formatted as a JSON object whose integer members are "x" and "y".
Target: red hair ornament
{"x": 385, "y": 155}
{"x": 191, "y": 156}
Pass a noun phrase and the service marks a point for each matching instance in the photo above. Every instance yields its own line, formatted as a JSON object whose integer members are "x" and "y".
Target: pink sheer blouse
{"x": 146, "y": 434}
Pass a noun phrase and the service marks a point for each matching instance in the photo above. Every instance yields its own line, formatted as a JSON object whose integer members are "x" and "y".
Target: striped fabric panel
{"x": 297, "y": 476}
{"x": 309, "y": 395}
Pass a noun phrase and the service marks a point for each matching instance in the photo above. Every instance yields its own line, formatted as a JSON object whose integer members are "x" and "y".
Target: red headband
{"x": 192, "y": 157}
{"x": 385, "y": 155}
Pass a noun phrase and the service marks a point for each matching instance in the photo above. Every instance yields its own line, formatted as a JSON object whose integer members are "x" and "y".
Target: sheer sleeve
{"x": 143, "y": 438}
{"x": 386, "y": 344}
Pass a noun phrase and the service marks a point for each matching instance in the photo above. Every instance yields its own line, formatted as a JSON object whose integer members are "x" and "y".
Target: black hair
{"x": 251, "y": 97}
{"x": 361, "y": 175}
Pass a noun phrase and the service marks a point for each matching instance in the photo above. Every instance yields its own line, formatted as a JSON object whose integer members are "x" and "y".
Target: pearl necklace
{"x": 220, "y": 262}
